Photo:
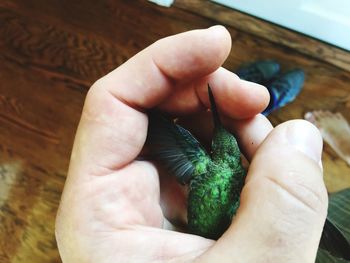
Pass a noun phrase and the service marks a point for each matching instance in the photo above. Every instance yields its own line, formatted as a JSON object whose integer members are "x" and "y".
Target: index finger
{"x": 113, "y": 126}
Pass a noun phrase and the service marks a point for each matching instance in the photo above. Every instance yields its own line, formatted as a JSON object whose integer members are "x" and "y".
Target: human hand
{"x": 113, "y": 208}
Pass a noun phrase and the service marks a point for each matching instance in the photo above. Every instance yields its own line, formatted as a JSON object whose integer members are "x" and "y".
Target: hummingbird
{"x": 215, "y": 179}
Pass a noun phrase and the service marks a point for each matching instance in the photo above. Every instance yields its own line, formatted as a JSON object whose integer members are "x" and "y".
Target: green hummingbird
{"x": 215, "y": 179}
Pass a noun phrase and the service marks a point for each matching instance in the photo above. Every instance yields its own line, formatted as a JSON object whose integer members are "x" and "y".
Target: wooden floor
{"x": 52, "y": 51}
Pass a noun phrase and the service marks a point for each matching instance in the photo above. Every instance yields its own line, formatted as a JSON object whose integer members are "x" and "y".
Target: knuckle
{"x": 297, "y": 177}
{"x": 311, "y": 194}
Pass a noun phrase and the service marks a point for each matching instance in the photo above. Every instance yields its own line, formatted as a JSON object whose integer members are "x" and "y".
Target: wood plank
{"x": 65, "y": 40}
{"x": 271, "y": 32}
{"x": 38, "y": 118}
{"x": 49, "y": 48}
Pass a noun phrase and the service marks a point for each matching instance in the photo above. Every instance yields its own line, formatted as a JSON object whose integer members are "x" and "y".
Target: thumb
{"x": 283, "y": 203}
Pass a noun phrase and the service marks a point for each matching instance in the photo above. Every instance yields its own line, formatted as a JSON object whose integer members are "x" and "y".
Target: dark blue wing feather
{"x": 174, "y": 147}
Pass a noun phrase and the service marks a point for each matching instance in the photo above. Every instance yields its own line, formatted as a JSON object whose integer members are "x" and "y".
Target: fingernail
{"x": 215, "y": 26}
{"x": 306, "y": 138}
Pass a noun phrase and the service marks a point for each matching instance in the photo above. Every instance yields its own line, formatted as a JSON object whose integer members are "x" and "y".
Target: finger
{"x": 235, "y": 98}
{"x": 112, "y": 130}
{"x": 283, "y": 203}
{"x": 250, "y": 133}
{"x": 149, "y": 77}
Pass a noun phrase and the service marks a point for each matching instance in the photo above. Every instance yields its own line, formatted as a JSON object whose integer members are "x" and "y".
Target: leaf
{"x": 324, "y": 256}
{"x": 339, "y": 211}
{"x": 335, "y": 241}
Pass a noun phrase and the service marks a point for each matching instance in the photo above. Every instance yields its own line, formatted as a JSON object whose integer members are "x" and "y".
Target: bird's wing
{"x": 174, "y": 147}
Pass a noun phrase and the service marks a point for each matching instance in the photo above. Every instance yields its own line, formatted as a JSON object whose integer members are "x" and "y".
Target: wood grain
{"x": 52, "y": 52}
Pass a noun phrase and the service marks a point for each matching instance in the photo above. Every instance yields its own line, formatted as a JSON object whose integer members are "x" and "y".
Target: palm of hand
{"x": 128, "y": 201}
